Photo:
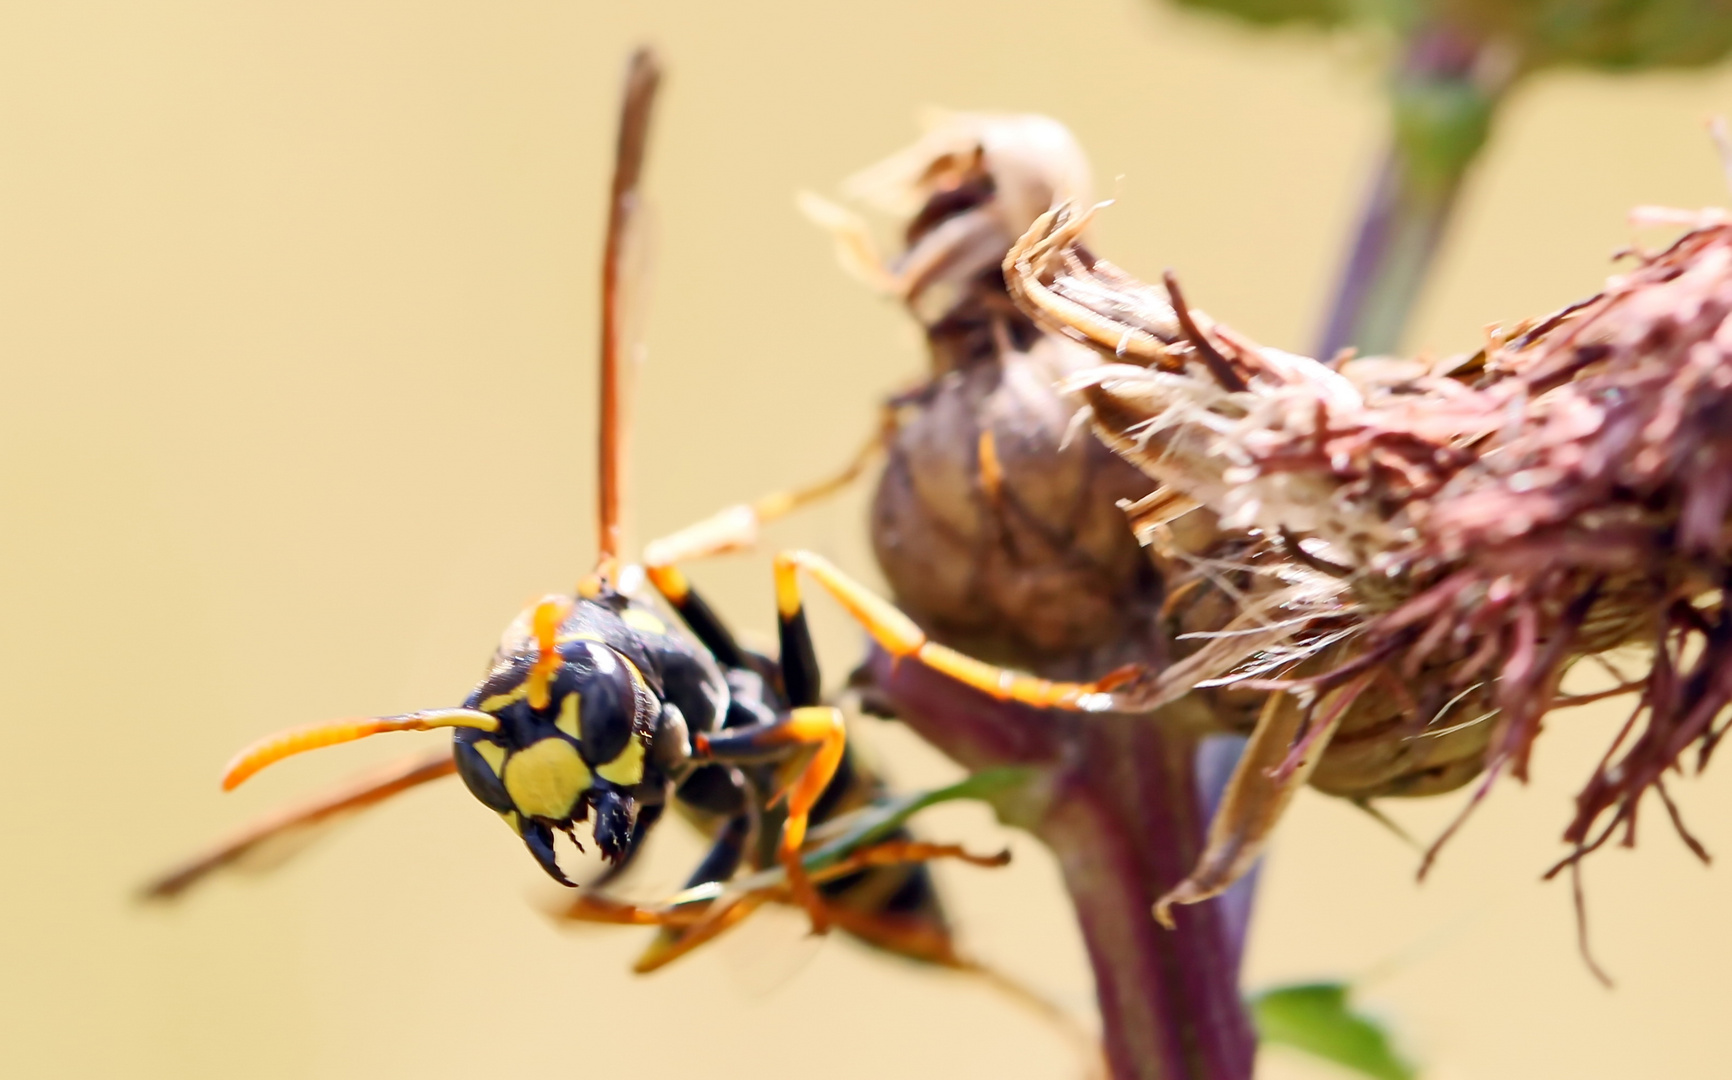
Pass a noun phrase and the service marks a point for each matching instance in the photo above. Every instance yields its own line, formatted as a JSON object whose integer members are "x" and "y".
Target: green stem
{"x": 1443, "y": 100}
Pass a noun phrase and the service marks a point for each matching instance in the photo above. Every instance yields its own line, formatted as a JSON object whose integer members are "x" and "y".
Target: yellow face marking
{"x": 627, "y": 769}
{"x": 581, "y": 635}
{"x": 492, "y": 753}
{"x": 516, "y": 823}
{"x": 570, "y": 708}
{"x": 639, "y": 619}
{"x": 545, "y": 779}
{"x": 500, "y": 701}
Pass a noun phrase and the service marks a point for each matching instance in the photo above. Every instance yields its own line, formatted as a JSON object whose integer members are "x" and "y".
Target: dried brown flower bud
{"x": 1422, "y": 551}
{"x": 995, "y": 523}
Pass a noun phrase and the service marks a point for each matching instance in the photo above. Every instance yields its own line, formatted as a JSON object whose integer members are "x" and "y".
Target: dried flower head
{"x": 1426, "y": 549}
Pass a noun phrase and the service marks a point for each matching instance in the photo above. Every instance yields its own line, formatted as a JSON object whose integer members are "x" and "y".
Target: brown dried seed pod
{"x": 995, "y": 523}
{"x": 1433, "y": 546}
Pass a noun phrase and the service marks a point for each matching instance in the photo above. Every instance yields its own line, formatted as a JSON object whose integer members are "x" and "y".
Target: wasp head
{"x": 573, "y": 733}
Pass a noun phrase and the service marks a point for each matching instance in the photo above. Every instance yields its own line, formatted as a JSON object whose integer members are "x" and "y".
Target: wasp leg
{"x": 604, "y": 909}
{"x": 899, "y": 636}
{"x": 688, "y": 923}
{"x": 910, "y": 934}
{"x": 682, "y": 928}
{"x": 817, "y": 727}
{"x": 702, "y": 620}
{"x": 719, "y": 864}
{"x": 807, "y": 724}
{"x": 370, "y": 789}
{"x": 894, "y": 908}
{"x": 736, "y": 527}
{"x": 904, "y": 923}
{"x": 905, "y": 935}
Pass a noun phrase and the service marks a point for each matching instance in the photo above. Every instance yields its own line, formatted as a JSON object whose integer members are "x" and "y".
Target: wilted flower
{"x": 1422, "y": 550}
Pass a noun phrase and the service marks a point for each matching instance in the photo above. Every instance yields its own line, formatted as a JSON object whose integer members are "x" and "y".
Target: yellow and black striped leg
{"x": 814, "y": 727}
{"x": 704, "y": 623}
{"x": 901, "y": 638}
{"x": 736, "y": 527}
{"x": 806, "y": 726}
{"x": 799, "y": 660}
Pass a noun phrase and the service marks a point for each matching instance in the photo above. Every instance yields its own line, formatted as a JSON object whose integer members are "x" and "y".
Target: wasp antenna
{"x": 274, "y": 748}
{"x": 544, "y": 623}
{"x": 643, "y": 75}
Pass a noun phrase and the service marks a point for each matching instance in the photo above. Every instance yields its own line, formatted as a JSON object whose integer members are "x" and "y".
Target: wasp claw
{"x": 539, "y": 839}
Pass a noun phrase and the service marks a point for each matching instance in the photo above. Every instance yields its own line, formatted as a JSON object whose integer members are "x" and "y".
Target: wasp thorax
{"x": 578, "y": 749}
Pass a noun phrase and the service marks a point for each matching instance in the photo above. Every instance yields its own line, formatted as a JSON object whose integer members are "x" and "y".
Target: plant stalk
{"x": 1117, "y": 801}
{"x": 1443, "y": 96}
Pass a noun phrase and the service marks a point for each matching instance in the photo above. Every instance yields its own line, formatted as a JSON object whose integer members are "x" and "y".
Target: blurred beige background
{"x": 296, "y": 302}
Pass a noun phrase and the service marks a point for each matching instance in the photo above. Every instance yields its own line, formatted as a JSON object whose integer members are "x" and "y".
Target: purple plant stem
{"x": 1393, "y": 250}
{"x": 1216, "y": 757}
{"x": 1120, "y": 808}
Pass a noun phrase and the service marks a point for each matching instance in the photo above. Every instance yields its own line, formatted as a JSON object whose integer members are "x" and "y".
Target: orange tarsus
{"x": 901, "y": 637}
{"x": 822, "y": 726}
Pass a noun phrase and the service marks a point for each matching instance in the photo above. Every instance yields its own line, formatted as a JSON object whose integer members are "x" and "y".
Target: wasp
{"x": 595, "y": 711}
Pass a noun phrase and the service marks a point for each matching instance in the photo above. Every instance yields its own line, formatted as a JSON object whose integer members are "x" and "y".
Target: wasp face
{"x": 552, "y": 763}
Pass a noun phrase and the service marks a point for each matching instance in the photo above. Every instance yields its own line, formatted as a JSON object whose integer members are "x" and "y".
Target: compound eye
{"x": 479, "y": 762}
{"x": 607, "y": 703}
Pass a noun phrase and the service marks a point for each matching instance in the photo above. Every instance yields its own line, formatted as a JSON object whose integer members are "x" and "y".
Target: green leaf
{"x": 1318, "y": 1019}
{"x": 1609, "y": 35}
{"x": 1613, "y": 35}
{"x": 1270, "y": 12}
